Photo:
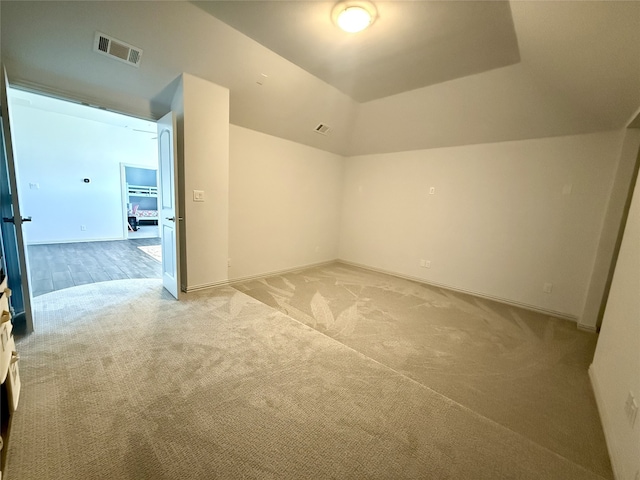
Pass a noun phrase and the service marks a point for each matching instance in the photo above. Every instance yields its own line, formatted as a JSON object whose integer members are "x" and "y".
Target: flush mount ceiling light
{"x": 354, "y": 16}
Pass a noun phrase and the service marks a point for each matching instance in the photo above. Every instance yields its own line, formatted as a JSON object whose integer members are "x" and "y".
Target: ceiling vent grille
{"x": 323, "y": 129}
{"x": 116, "y": 49}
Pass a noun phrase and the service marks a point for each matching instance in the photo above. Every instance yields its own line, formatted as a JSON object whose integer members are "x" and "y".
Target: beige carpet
{"x": 524, "y": 370}
{"x": 154, "y": 251}
{"x": 122, "y": 382}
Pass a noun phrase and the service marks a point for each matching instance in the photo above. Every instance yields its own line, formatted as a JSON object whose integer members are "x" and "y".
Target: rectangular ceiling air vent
{"x": 116, "y": 49}
{"x": 323, "y": 129}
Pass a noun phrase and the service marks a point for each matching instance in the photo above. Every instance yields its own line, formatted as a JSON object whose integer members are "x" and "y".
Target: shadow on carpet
{"x": 524, "y": 370}
{"x": 121, "y": 381}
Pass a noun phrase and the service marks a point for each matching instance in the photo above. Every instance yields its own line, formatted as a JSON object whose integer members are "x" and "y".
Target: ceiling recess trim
{"x": 117, "y": 49}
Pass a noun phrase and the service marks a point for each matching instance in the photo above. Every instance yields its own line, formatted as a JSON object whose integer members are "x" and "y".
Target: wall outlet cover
{"x": 631, "y": 409}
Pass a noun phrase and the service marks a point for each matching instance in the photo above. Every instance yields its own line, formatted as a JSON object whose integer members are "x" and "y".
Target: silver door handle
{"x": 171, "y": 219}
{"x": 12, "y": 219}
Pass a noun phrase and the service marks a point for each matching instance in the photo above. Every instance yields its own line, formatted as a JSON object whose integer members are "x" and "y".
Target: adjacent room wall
{"x": 284, "y": 204}
{"x": 54, "y": 153}
{"x": 609, "y": 236}
{"x": 616, "y": 365}
{"x": 204, "y": 126}
{"x": 505, "y": 218}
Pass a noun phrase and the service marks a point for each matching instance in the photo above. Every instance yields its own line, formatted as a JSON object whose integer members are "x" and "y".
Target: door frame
{"x": 124, "y": 196}
{"x": 19, "y": 266}
{"x": 39, "y": 89}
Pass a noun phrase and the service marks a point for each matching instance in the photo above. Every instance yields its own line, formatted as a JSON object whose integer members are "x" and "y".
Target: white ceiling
{"x": 24, "y": 99}
{"x": 579, "y": 68}
{"x": 410, "y": 45}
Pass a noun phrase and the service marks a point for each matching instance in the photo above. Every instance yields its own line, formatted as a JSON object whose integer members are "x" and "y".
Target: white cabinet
{"x": 9, "y": 373}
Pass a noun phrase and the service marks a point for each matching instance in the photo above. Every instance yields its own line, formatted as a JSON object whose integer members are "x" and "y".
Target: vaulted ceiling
{"x": 411, "y": 45}
{"x": 425, "y": 75}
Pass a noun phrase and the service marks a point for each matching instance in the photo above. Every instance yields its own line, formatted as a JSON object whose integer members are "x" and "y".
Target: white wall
{"x": 284, "y": 204}
{"x": 498, "y": 225}
{"x": 56, "y": 152}
{"x": 204, "y": 128}
{"x": 611, "y": 228}
{"x": 616, "y": 366}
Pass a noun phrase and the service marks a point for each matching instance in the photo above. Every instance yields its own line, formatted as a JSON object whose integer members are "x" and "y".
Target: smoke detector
{"x": 117, "y": 49}
{"x": 323, "y": 129}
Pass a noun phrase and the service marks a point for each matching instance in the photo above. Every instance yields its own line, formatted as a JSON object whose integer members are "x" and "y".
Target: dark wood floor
{"x": 63, "y": 265}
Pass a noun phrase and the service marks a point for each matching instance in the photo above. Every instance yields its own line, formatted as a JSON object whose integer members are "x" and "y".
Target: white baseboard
{"x": 505, "y": 301}
{"x": 205, "y": 286}
{"x": 606, "y": 424}
{"x": 281, "y": 272}
{"x": 533, "y": 308}
{"x": 83, "y": 240}
{"x": 248, "y": 278}
{"x": 587, "y": 328}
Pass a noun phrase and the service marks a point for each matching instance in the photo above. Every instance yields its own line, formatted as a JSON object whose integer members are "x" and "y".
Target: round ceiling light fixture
{"x": 354, "y": 16}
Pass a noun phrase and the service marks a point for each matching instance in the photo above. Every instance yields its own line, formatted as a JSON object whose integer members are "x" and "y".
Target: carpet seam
{"x": 463, "y": 407}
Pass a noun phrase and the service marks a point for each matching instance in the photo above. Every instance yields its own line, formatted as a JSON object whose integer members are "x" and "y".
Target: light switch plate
{"x": 198, "y": 195}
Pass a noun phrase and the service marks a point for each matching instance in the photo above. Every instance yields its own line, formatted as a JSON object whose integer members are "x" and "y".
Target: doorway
{"x": 140, "y": 190}
{"x": 69, "y": 161}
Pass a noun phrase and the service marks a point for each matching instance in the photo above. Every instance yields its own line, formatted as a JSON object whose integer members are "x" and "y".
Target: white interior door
{"x": 11, "y": 225}
{"x": 168, "y": 208}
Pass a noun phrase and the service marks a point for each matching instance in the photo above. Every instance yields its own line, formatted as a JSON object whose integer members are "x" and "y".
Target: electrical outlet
{"x": 547, "y": 287}
{"x": 631, "y": 409}
{"x": 422, "y": 262}
{"x": 432, "y": 190}
{"x": 427, "y": 264}
{"x": 262, "y": 79}
{"x": 83, "y": 228}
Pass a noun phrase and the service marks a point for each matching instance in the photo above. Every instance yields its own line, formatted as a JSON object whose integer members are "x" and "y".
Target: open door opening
{"x": 84, "y": 197}
{"x": 69, "y": 161}
{"x": 141, "y": 200}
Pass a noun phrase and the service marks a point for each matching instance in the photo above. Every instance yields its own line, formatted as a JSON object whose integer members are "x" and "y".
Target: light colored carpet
{"x": 524, "y": 370}
{"x": 122, "y": 382}
{"x": 154, "y": 251}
